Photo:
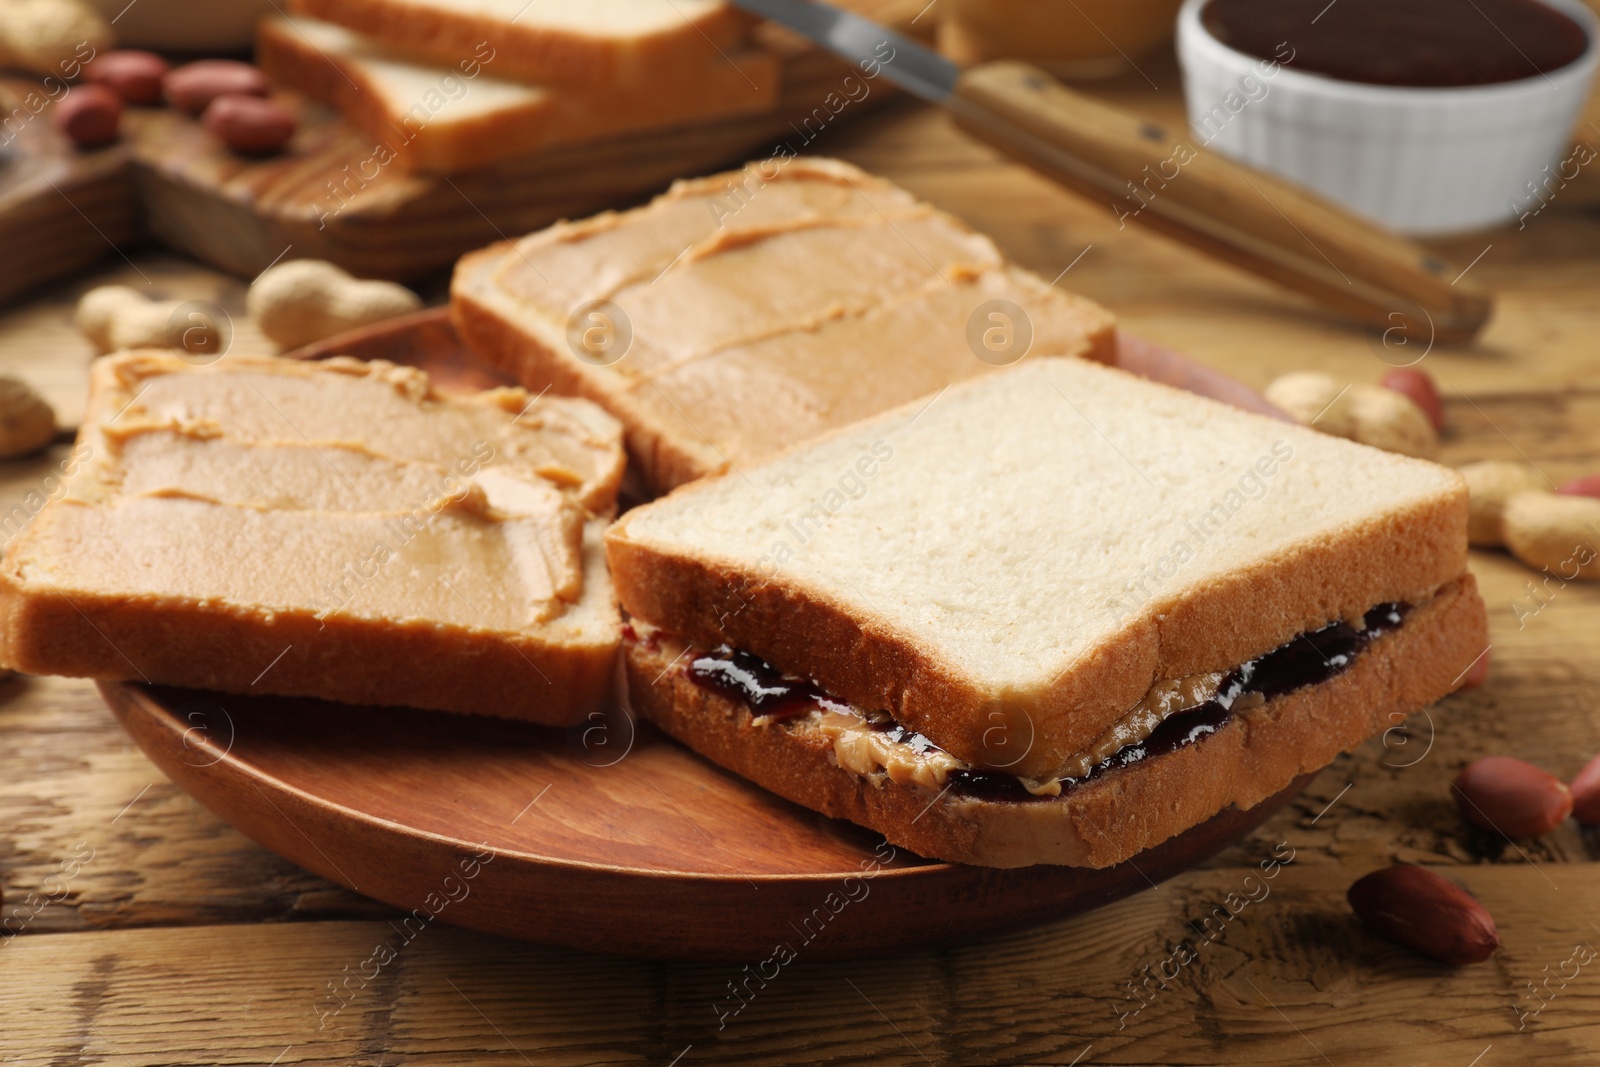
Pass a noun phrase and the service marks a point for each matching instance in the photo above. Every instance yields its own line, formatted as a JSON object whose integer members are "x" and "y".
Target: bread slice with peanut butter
{"x": 738, "y": 314}
{"x": 1019, "y": 588}
{"x": 334, "y": 529}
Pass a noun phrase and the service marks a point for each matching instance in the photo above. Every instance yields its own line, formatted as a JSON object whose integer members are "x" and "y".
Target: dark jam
{"x": 1419, "y": 43}
{"x": 749, "y": 678}
{"x": 1309, "y": 659}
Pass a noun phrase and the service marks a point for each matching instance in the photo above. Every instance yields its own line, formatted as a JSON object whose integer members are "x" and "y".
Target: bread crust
{"x": 537, "y": 54}
{"x": 294, "y": 62}
{"x": 553, "y": 117}
{"x": 554, "y": 672}
{"x": 254, "y": 650}
{"x": 1110, "y": 818}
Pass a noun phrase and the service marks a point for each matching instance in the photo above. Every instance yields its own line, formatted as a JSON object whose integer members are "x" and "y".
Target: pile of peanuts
{"x": 1431, "y": 915}
{"x": 1552, "y": 527}
{"x": 293, "y": 303}
{"x": 1549, "y": 527}
{"x": 27, "y": 422}
{"x": 230, "y": 98}
{"x": 1402, "y": 413}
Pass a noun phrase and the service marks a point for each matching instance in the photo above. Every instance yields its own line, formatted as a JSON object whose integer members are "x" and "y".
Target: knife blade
{"x": 914, "y": 67}
{"x": 1156, "y": 178}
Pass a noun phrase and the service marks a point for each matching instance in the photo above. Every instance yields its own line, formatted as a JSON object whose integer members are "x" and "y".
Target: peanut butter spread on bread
{"x": 342, "y": 487}
{"x": 750, "y": 310}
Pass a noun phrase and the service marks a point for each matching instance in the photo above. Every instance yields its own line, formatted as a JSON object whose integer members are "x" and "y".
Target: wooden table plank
{"x": 73, "y": 787}
{"x": 1281, "y": 978}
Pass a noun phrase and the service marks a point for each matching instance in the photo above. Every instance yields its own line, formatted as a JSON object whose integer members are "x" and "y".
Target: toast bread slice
{"x": 1110, "y": 818}
{"x": 449, "y": 119}
{"x": 1012, "y": 565}
{"x": 752, "y": 309}
{"x": 588, "y": 43}
{"x": 335, "y": 529}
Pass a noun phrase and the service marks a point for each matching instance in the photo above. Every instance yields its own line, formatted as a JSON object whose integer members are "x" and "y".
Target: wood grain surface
{"x": 336, "y": 194}
{"x": 182, "y": 942}
{"x": 60, "y": 209}
{"x": 633, "y": 844}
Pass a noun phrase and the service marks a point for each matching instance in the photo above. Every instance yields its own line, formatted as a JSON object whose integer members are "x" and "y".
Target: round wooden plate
{"x": 607, "y": 836}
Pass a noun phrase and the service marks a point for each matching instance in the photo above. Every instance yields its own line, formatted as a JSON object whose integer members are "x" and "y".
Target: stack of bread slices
{"x": 443, "y": 87}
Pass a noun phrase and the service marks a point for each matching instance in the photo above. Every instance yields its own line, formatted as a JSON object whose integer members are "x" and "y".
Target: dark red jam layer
{"x": 1309, "y": 659}
{"x": 1420, "y": 43}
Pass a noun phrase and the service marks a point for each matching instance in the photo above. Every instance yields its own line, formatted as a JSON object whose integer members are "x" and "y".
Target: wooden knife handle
{"x": 1282, "y": 232}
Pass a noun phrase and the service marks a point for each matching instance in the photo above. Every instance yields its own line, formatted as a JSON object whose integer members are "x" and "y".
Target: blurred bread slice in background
{"x": 446, "y": 119}
{"x": 638, "y": 44}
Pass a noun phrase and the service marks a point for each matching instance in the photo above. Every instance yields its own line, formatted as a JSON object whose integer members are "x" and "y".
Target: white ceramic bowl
{"x": 1421, "y": 161}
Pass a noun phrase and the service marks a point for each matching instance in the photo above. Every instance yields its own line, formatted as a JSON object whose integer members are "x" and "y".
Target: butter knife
{"x": 1148, "y": 175}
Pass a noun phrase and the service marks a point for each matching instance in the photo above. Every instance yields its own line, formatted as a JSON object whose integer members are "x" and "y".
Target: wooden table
{"x": 150, "y": 933}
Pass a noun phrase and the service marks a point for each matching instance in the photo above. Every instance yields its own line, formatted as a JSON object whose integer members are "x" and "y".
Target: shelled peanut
{"x": 113, "y": 317}
{"x": 248, "y": 124}
{"x": 134, "y": 75}
{"x": 1511, "y": 797}
{"x": 1428, "y": 914}
{"x": 1512, "y": 505}
{"x": 1371, "y": 414}
{"x": 305, "y": 300}
{"x": 90, "y": 115}
{"x": 27, "y": 422}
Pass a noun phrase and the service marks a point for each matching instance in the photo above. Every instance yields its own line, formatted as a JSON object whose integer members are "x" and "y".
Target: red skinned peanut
{"x": 131, "y": 74}
{"x": 1478, "y": 673}
{"x": 1588, "y": 485}
{"x": 1511, "y": 797}
{"x": 249, "y": 124}
{"x": 1414, "y": 907}
{"x": 1585, "y": 791}
{"x": 89, "y": 114}
{"x": 1419, "y": 387}
{"x": 193, "y": 86}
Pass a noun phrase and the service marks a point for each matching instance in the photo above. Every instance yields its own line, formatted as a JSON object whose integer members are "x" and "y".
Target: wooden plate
{"x": 602, "y": 837}
{"x": 607, "y": 836}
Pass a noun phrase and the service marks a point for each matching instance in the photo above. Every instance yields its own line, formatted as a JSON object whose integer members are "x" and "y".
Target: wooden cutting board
{"x": 60, "y": 209}
{"x": 316, "y": 200}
